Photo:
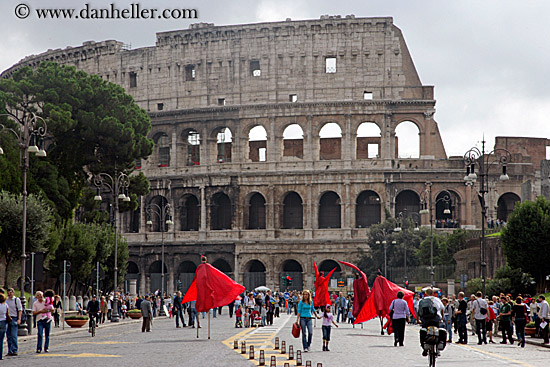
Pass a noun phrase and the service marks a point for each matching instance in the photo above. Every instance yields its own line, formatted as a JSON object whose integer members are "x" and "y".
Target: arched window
{"x": 293, "y": 270}
{"x": 190, "y": 213}
{"x": 407, "y": 140}
{"x": 162, "y": 145}
{"x": 224, "y": 139}
{"x": 256, "y": 212}
{"x": 155, "y": 270}
{"x": 254, "y": 275}
{"x": 408, "y": 201}
{"x": 186, "y": 273}
{"x": 330, "y": 141}
{"x": 367, "y": 209}
{"x": 292, "y": 211}
{"x": 220, "y": 212}
{"x": 329, "y": 210}
{"x": 506, "y": 204}
{"x": 222, "y": 266}
{"x": 368, "y": 141}
{"x": 257, "y": 143}
{"x": 193, "y": 152}
{"x": 327, "y": 266}
{"x": 293, "y": 141}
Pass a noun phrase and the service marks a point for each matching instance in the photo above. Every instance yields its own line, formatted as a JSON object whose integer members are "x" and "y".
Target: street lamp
{"x": 31, "y": 130}
{"x": 427, "y": 203}
{"x": 402, "y": 216}
{"x": 163, "y": 214}
{"x": 484, "y": 161}
{"x": 117, "y": 185}
{"x": 385, "y": 242}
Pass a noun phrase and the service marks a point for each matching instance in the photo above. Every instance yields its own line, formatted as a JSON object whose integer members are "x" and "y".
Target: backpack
{"x": 427, "y": 309}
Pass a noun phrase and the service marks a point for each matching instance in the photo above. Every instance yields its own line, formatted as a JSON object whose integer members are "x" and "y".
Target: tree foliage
{"x": 445, "y": 246}
{"x": 506, "y": 280}
{"x": 525, "y": 239}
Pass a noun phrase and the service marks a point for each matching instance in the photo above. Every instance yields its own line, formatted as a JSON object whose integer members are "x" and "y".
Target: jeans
{"x": 326, "y": 332}
{"x": 341, "y": 311}
{"x": 3, "y": 327}
{"x": 179, "y": 316}
{"x": 462, "y": 331}
{"x": 481, "y": 331}
{"x": 215, "y": 309}
{"x": 12, "y": 335}
{"x": 43, "y": 328}
{"x": 520, "y": 330}
{"x": 306, "y": 324}
{"x": 449, "y": 326}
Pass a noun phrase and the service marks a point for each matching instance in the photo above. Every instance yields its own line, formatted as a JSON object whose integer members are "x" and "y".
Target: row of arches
{"x": 368, "y": 143}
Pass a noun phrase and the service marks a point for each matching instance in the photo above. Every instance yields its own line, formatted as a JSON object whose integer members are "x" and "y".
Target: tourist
{"x": 505, "y": 320}
{"x": 328, "y": 320}
{"x": 479, "y": 311}
{"x": 178, "y": 310}
{"x": 3, "y": 322}
{"x": 16, "y": 314}
{"x": 103, "y": 309}
{"x": 42, "y": 322}
{"x": 520, "y": 317}
{"x": 147, "y": 314}
{"x": 341, "y": 307}
{"x": 544, "y": 316}
{"x": 400, "y": 315}
{"x": 462, "y": 319}
{"x": 491, "y": 317}
{"x": 305, "y": 318}
{"x": 448, "y": 312}
{"x": 57, "y": 309}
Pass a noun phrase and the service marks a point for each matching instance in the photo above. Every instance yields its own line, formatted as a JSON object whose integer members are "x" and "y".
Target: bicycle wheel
{"x": 93, "y": 328}
{"x": 432, "y": 357}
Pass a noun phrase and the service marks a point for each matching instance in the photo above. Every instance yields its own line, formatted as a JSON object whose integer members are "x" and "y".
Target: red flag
{"x": 322, "y": 297}
{"x": 383, "y": 292}
{"x": 361, "y": 291}
{"x": 211, "y": 288}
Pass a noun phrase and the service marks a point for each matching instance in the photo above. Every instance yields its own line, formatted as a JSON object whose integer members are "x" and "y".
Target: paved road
{"x": 167, "y": 346}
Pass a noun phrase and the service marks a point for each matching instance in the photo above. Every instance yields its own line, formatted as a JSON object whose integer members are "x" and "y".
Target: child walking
{"x": 328, "y": 319}
{"x": 238, "y": 317}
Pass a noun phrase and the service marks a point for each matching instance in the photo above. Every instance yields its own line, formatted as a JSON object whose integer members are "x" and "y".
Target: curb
{"x": 527, "y": 341}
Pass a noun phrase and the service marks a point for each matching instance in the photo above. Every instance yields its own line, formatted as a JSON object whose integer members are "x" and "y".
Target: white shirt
{"x": 438, "y": 304}
{"x": 543, "y": 312}
{"x": 14, "y": 305}
{"x": 478, "y": 304}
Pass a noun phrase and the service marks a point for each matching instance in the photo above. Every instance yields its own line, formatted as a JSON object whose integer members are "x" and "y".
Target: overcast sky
{"x": 488, "y": 60}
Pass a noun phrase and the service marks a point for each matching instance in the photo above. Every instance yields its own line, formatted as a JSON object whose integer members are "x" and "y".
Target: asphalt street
{"x": 165, "y": 345}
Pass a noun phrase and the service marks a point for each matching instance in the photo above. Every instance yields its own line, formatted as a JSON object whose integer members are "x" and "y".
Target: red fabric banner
{"x": 361, "y": 291}
{"x": 322, "y": 297}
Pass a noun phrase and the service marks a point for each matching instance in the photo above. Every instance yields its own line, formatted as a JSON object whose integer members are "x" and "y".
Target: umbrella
{"x": 262, "y": 288}
{"x": 426, "y": 288}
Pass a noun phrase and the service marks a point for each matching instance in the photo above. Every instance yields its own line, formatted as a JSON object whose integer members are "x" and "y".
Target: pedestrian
{"x": 231, "y": 307}
{"x": 491, "y": 317}
{"x": 479, "y": 311}
{"x": 4, "y": 321}
{"x": 505, "y": 320}
{"x": 57, "y": 309}
{"x": 448, "y": 313}
{"x": 462, "y": 319}
{"x": 544, "y": 316}
{"x": 305, "y": 318}
{"x": 400, "y": 314}
{"x": 520, "y": 317}
{"x": 263, "y": 314}
{"x": 16, "y": 314}
{"x": 147, "y": 314}
{"x": 103, "y": 309}
{"x": 328, "y": 320}
{"x": 193, "y": 315}
{"x": 42, "y": 322}
{"x": 341, "y": 307}
{"x": 178, "y": 308}
{"x": 238, "y": 317}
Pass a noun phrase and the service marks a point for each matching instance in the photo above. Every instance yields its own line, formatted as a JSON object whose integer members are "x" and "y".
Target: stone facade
{"x": 267, "y": 207}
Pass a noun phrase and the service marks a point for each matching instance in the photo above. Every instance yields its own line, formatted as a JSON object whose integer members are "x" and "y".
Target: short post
{"x": 298, "y": 358}
{"x": 251, "y": 355}
{"x": 308, "y": 363}
{"x": 277, "y": 343}
{"x": 273, "y": 362}
{"x": 243, "y": 348}
{"x": 319, "y": 364}
{"x": 283, "y": 347}
{"x": 235, "y": 344}
{"x": 291, "y": 352}
{"x": 287, "y": 364}
{"x": 262, "y": 358}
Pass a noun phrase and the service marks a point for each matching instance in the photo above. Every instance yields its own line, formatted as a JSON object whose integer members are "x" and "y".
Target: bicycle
{"x": 92, "y": 324}
{"x": 432, "y": 344}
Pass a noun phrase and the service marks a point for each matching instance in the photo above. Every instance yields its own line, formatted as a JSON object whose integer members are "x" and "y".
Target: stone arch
{"x": 368, "y": 210}
{"x": 294, "y": 270}
{"x": 224, "y": 141}
{"x": 155, "y": 272}
{"x": 407, "y": 200}
{"x": 293, "y": 141}
{"x": 192, "y": 147}
{"x": 190, "y": 213}
{"x": 330, "y": 210}
{"x": 327, "y": 265}
{"x": 505, "y": 205}
{"x": 256, "y": 218}
{"x": 369, "y": 140}
{"x": 406, "y": 144}
{"x": 186, "y": 273}
{"x": 257, "y": 144}
{"x": 162, "y": 149}
{"x": 132, "y": 273}
{"x": 330, "y": 141}
{"x": 221, "y": 213}
{"x": 223, "y": 266}
{"x": 254, "y": 274}
{"x": 153, "y": 214}
{"x": 293, "y": 214}
{"x": 447, "y": 220}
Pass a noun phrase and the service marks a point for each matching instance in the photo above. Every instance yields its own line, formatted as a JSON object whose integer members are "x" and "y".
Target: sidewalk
{"x": 528, "y": 340}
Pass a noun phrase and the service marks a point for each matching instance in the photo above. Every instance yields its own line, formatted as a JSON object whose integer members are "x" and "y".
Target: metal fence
{"x": 421, "y": 274}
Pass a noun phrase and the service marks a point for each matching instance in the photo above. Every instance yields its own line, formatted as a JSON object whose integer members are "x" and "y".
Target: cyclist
{"x": 431, "y": 312}
{"x": 93, "y": 311}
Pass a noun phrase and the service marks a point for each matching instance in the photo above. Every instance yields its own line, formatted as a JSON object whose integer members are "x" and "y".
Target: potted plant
{"x": 134, "y": 314}
{"x": 76, "y": 320}
{"x": 530, "y": 329}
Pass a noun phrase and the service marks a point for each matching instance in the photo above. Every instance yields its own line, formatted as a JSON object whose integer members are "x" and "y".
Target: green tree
{"x": 39, "y": 226}
{"x": 445, "y": 246}
{"x": 525, "y": 239}
{"x": 506, "y": 280}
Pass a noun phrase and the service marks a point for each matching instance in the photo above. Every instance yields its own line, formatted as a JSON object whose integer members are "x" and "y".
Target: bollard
{"x": 291, "y": 352}
{"x": 283, "y": 347}
{"x": 243, "y": 348}
{"x": 287, "y": 364}
{"x": 262, "y": 359}
{"x": 276, "y": 343}
{"x": 298, "y": 358}
{"x": 235, "y": 344}
{"x": 308, "y": 363}
{"x": 273, "y": 362}
{"x": 319, "y": 364}
{"x": 251, "y": 355}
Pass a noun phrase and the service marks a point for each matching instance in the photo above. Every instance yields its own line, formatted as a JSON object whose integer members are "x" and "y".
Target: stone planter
{"x": 530, "y": 331}
{"x": 76, "y": 322}
{"x": 134, "y": 315}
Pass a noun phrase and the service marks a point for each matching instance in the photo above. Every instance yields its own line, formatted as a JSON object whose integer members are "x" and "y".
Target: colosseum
{"x": 276, "y": 146}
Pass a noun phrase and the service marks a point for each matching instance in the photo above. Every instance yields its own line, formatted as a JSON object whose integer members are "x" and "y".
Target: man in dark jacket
{"x": 178, "y": 307}
{"x": 147, "y": 314}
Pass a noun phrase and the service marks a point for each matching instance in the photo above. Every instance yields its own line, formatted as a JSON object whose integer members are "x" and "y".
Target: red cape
{"x": 211, "y": 288}
{"x": 383, "y": 292}
{"x": 322, "y": 297}
{"x": 361, "y": 291}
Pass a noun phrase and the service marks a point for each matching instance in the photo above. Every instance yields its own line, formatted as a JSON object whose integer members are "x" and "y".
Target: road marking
{"x": 81, "y": 355}
{"x": 105, "y": 342}
{"x": 494, "y": 355}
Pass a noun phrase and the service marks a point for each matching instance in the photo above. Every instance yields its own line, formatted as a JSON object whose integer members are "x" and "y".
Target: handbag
{"x": 296, "y": 330}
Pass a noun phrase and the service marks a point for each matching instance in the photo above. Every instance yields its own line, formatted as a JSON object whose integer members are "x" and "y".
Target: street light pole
{"x": 32, "y": 129}
{"x": 117, "y": 185}
{"x": 385, "y": 243}
{"x": 163, "y": 214}
{"x": 484, "y": 160}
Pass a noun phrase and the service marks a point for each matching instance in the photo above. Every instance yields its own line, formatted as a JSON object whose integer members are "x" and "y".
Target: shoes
{"x": 328, "y": 350}
{"x": 449, "y": 341}
{"x": 401, "y": 345}
{"x": 178, "y": 327}
{"x": 324, "y": 348}
{"x": 46, "y": 350}
{"x": 395, "y": 343}
{"x": 479, "y": 343}
{"x": 305, "y": 350}
{"x": 492, "y": 342}
{"x": 504, "y": 342}
{"x": 424, "y": 353}
{"x": 485, "y": 342}
{"x": 38, "y": 351}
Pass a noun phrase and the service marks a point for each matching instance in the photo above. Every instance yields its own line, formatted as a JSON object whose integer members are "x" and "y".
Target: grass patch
{"x": 496, "y": 234}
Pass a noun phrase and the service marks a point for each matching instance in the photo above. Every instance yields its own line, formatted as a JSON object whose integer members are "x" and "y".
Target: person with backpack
{"x": 479, "y": 311}
{"x": 430, "y": 311}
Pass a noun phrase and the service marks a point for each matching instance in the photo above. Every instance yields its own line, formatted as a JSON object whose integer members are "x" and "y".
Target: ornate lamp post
{"x": 385, "y": 242}
{"x": 32, "y": 130}
{"x": 117, "y": 185}
{"x": 401, "y": 217}
{"x": 484, "y": 161}
{"x": 163, "y": 214}
{"x": 427, "y": 203}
